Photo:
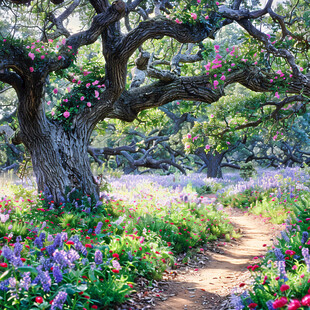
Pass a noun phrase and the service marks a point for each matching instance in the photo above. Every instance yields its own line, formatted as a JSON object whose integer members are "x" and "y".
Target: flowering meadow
{"x": 86, "y": 254}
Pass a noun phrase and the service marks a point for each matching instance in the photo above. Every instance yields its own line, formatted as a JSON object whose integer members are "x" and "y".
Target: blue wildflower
{"x": 45, "y": 280}
{"x": 285, "y": 237}
{"x": 278, "y": 253}
{"x": 98, "y": 257}
{"x": 17, "y": 249}
{"x": 25, "y": 281}
{"x": 98, "y": 228}
{"x": 305, "y": 237}
{"x": 59, "y": 301}
{"x": 57, "y": 274}
{"x": 269, "y": 305}
{"x": 305, "y": 253}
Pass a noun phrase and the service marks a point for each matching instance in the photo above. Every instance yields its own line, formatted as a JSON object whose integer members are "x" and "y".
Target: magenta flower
{"x": 82, "y": 98}
{"x": 31, "y": 69}
{"x": 228, "y": 142}
{"x": 216, "y": 47}
{"x": 178, "y": 21}
{"x": 207, "y": 146}
{"x": 88, "y": 104}
{"x": 215, "y": 83}
{"x": 211, "y": 115}
{"x": 277, "y": 95}
{"x": 223, "y": 78}
{"x": 66, "y": 114}
{"x": 31, "y": 55}
{"x": 59, "y": 57}
{"x": 207, "y": 17}
{"x": 87, "y": 85}
{"x": 232, "y": 64}
{"x": 194, "y": 16}
{"x": 96, "y": 93}
{"x": 55, "y": 91}
{"x": 42, "y": 56}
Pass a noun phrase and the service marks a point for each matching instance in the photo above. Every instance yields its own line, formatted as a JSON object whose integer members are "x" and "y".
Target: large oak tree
{"x": 58, "y": 145}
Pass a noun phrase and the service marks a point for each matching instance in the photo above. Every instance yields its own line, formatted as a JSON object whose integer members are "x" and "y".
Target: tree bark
{"x": 59, "y": 158}
{"x": 212, "y": 162}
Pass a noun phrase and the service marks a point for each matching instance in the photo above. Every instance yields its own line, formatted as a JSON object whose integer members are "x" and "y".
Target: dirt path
{"x": 207, "y": 288}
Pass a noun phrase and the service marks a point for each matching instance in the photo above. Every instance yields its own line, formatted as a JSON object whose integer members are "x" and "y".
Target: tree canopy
{"x": 129, "y": 57}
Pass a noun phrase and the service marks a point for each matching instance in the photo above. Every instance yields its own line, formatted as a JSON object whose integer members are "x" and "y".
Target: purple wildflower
{"x": 17, "y": 249}
{"x": 98, "y": 257}
{"x": 57, "y": 274}
{"x": 98, "y": 228}
{"x": 25, "y": 281}
{"x": 281, "y": 268}
{"x": 278, "y": 254}
{"x": 269, "y": 305}
{"x": 45, "y": 279}
{"x": 73, "y": 255}
{"x": 305, "y": 237}
{"x": 285, "y": 237}
{"x": 7, "y": 253}
{"x": 305, "y": 253}
{"x": 59, "y": 301}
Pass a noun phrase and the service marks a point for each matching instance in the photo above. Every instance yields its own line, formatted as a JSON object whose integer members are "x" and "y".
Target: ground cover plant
{"x": 281, "y": 278}
{"x": 87, "y": 255}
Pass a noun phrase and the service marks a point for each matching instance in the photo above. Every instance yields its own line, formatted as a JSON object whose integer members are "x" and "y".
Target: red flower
{"x": 284, "y": 287}
{"x": 23, "y": 259}
{"x": 252, "y": 305}
{"x": 306, "y": 300}
{"x": 241, "y": 284}
{"x": 279, "y": 303}
{"x": 4, "y": 265}
{"x": 69, "y": 242}
{"x": 107, "y": 221}
{"x": 94, "y": 307}
{"x": 115, "y": 270}
{"x": 130, "y": 285}
{"x": 39, "y": 300}
{"x": 294, "y": 305}
{"x": 115, "y": 255}
{"x": 254, "y": 267}
{"x": 87, "y": 245}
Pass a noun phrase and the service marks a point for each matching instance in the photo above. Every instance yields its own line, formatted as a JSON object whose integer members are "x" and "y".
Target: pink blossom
{"x": 277, "y": 95}
{"x": 55, "y": 91}
{"x": 66, "y": 114}
{"x": 63, "y": 41}
{"x": 223, "y": 78}
{"x": 59, "y": 57}
{"x": 48, "y": 102}
{"x": 95, "y": 83}
{"x": 31, "y": 55}
{"x": 198, "y": 1}
{"x": 178, "y": 102}
{"x": 207, "y": 17}
{"x": 211, "y": 115}
{"x": 178, "y": 21}
{"x": 232, "y": 64}
{"x": 215, "y": 83}
{"x": 301, "y": 69}
{"x": 87, "y": 85}
{"x": 53, "y": 113}
{"x": 229, "y": 69}
{"x": 189, "y": 135}
{"x": 68, "y": 89}
{"x": 82, "y": 98}
{"x": 88, "y": 104}
{"x": 207, "y": 146}
{"x": 194, "y": 16}
{"x": 268, "y": 35}
{"x": 50, "y": 40}
{"x": 217, "y": 3}
{"x": 31, "y": 69}
{"x": 79, "y": 82}
{"x": 42, "y": 56}
{"x": 228, "y": 142}
{"x": 271, "y": 80}
{"x": 96, "y": 93}
{"x": 216, "y": 47}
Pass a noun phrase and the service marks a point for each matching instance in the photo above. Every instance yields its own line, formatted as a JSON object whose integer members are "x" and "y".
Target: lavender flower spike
{"x": 59, "y": 301}
{"x": 305, "y": 253}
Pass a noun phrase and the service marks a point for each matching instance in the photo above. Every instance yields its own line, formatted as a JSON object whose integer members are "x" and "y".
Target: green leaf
{"x": 28, "y": 269}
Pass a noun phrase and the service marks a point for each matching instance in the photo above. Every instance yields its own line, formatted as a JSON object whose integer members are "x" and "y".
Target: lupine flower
{"x": 73, "y": 255}
{"x": 59, "y": 301}
{"x": 236, "y": 302}
{"x": 98, "y": 257}
{"x": 57, "y": 274}
{"x": 45, "y": 280}
{"x": 25, "y": 281}
{"x": 281, "y": 268}
{"x": 17, "y": 249}
{"x": 98, "y": 228}
{"x": 305, "y": 253}
{"x": 305, "y": 236}
{"x": 7, "y": 253}
{"x": 285, "y": 237}
{"x": 269, "y": 305}
{"x": 278, "y": 254}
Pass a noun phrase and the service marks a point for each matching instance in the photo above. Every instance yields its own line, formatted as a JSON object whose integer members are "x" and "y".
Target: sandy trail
{"x": 207, "y": 288}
